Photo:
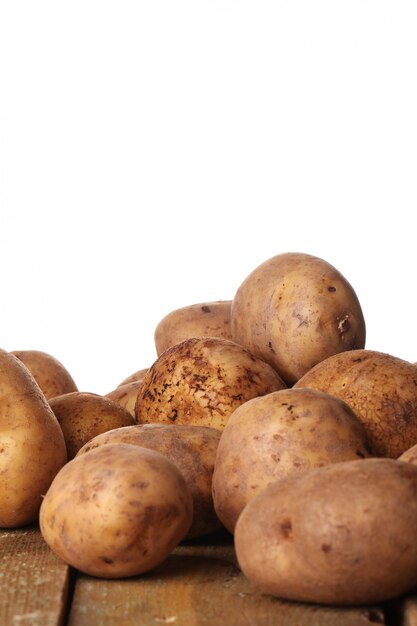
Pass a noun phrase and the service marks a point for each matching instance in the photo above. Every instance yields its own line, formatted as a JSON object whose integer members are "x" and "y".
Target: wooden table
{"x": 200, "y": 584}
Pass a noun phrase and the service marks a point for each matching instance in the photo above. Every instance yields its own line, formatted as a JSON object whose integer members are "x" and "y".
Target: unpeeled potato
{"x": 208, "y": 319}
{"x": 117, "y": 511}
{"x": 295, "y": 310}
{"x": 341, "y": 534}
{"x": 126, "y": 395}
{"x": 83, "y": 415}
{"x": 52, "y": 377}
{"x": 201, "y": 381}
{"x": 191, "y": 448}
{"x": 32, "y": 446}
{"x": 277, "y": 435}
{"x": 380, "y": 388}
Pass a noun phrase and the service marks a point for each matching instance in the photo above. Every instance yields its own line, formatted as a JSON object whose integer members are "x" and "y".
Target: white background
{"x": 153, "y": 153}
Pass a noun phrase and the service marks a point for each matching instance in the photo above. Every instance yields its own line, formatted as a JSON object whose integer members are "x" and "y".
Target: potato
{"x": 135, "y": 377}
{"x": 82, "y": 416}
{"x": 49, "y": 373}
{"x": 294, "y": 311}
{"x": 410, "y": 455}
{"x": 283, "y": 433}
{"x": 382, "y": 391}
{"x": 126, "y": 395}
{"x": 341, "y": 534}
{"x": 201, "y": 381}
{"x": 117, "y": 511}
{"x": 32, "y": 446}
{"x": 191, "y": 448}
{"x": 209, "y": 319}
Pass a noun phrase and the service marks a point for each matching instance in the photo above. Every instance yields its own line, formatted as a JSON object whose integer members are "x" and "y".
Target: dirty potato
{"x": 209, "y": 319}
{"x": 126, "y": 395}
{"x": 52, "y": 377}
{"x": 295, "y": 310}
{"x": 82, "y": 416}
{"x": 117, "y": 511}
{"x": 342, "y": 534}
{"x": 191, "y": 448}
{"x": 32, "y": 447}
{"x": 283, "y": 433}
{"x": 380, "y": 388}
{"x": 201, "y": 381}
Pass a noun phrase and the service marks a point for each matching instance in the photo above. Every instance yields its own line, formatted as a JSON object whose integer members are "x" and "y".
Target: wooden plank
{"x": 199, "y": 586}
{"x": 34, "y": 583}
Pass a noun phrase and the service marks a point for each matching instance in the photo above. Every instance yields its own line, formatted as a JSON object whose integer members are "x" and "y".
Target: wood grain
{"x": 34, "y": 583}
{"x": 199, "y": 586}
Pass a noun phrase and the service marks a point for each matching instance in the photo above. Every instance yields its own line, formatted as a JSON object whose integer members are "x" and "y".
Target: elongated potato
{"x": 201, "y": 381}
{"x": 117, "y": 511}
{"x": 295, "y": 310}
{"x": 191, "y": 448}
{"x": 341, "y": 534}
{"x": 283, "y": 433}
{"x": 380, "y": 388}
{"x": 208, "y": 319}
{"x": 32, "y": 446}
{"x": 135, "y": 377}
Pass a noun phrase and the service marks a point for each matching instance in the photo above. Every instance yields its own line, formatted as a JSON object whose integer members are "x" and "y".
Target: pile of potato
{"x": 265, "y": 415}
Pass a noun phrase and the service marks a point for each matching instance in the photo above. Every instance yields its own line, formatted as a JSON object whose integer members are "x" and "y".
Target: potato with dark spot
{"x": 83, "y": 415}
{"x": 343, "y": 534}
{"x": 191, "y": 448}
{"x": 52, "y": 377}
{"x": 126, "y": 395}
{"x": 117, "y": 511}
{"x": 209, "y": 319}
{"x": 295, "y": 310}
{"x": 201, "y": 381}
{"x": 135, "y": 377}
{"x": 382, "y": 391}
{"x": 283, "y": 433}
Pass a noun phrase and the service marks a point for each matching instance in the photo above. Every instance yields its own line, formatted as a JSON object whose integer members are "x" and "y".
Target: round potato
{"x": 82, "y": 416}
{"x": 32, "y": 446}
{"x": 52, "y": 377}
{"x": 117, "y": 511}
{"x": 209, "y": 319}
{"x": 294, "y": 311}
{"x": 382, "y": 391}
{"x": 341, "y": 534}
{"x": 126, "y": 395}
{"x": 283, "y": 433}
{"x": 201, "y": 381}
{"x": 191, "y": 448}
{"x": 135, "y": 377}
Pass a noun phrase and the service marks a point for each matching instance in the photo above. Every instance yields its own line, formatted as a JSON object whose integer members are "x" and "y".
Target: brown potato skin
{"x": 83, "y": 415}
{"x": 32, "y": 446}
{"x": 343, "y": 534}
{"x": 382, "y": 391}
{"x": 117, "y": 511}
{"x": 208, "y": 319}
{"x": 135, "y": 377}
{"x": 52, "y": 377}
{"x": 295, "y": 310}
{"x": 126, "y": 395}
{"x": 410, "y": 455}
{"x": 191, "y": 448}
{"x": 283, "y": 433}
{"x": 201, "y": 381}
